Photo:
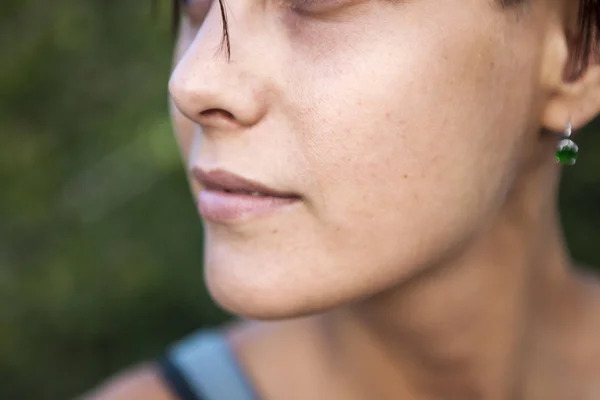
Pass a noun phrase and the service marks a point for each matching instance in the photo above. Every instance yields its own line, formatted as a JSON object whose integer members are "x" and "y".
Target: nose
{"x": 214, "y": 89}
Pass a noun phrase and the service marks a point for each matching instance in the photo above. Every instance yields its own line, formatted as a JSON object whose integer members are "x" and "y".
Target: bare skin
{"x": 426, "y": 259}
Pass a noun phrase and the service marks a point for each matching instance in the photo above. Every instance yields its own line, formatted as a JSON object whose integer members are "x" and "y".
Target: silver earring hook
{"x": 569, "y": 129}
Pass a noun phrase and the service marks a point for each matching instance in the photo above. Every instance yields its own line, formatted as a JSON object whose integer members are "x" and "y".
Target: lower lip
{"x": 219, "y": 206}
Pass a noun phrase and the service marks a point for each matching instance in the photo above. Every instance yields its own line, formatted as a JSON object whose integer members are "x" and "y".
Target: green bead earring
{"x": 566, "y": 150}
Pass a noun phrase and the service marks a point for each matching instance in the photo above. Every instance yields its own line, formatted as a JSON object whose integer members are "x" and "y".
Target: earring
{"x": 566, "y": 150}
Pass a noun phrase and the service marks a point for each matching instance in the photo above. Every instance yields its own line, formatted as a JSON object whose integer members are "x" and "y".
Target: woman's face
{"x": 400, "y": 126}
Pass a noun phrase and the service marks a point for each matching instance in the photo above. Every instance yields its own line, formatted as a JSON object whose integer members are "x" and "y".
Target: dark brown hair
{"x": 586, "y": 38}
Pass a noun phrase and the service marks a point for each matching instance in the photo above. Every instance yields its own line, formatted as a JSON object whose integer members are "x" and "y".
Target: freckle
{"x": 405, "y": 176}
{"x": 274, "y": 231}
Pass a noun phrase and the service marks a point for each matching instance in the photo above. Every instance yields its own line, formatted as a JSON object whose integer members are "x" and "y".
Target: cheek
{"x": 413, "y": 143}
{"x": 184, "y": 130}
{"x": 187, "y": 134}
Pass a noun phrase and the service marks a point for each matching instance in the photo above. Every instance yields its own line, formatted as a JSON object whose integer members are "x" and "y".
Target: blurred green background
{"x": 100, "y": 244}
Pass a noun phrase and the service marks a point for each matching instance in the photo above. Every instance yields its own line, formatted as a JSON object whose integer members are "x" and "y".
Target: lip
{"x": 221, "y": 180}
{"x": 227, "y": 197}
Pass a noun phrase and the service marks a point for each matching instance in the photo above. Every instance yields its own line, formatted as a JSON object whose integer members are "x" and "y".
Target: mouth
{"x": 226, "y": 197}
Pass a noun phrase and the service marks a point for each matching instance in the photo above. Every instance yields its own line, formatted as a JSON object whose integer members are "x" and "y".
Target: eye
{"x": 196, "y": 10}
{"x": 320, "y": 7}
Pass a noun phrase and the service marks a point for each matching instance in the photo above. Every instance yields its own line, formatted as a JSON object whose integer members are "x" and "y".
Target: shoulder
{"x": 142, "y": 382}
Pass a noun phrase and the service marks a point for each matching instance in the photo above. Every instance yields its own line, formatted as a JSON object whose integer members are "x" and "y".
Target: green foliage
{"x": 100, "y": 244}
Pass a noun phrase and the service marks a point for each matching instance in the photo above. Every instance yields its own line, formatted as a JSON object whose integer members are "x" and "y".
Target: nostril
{"x": 217, "y": 117}
{"x": 217, "y": 113}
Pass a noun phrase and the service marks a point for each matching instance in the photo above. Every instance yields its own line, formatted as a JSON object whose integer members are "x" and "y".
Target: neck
{"x": 461, "y": 330}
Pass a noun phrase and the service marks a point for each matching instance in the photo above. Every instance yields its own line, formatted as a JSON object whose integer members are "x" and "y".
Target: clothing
{"x": 204, "y": 367}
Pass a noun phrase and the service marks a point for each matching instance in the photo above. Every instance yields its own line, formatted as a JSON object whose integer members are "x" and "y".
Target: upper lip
{"x": 222, "y": 180}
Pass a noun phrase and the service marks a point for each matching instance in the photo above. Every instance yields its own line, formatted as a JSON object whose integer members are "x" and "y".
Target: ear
{"x": 572, "y": 93}
{"x": 576, "y": 101}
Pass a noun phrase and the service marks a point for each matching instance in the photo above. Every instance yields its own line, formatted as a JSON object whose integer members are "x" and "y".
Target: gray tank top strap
{"x": 208, "y": 364}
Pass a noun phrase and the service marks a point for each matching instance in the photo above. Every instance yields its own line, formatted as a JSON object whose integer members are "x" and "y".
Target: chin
{"x": 256, "y": 298}
{"x": 275, "y": 269}
{"x": 251, "y": 277}
{"x": 284, "y": 289}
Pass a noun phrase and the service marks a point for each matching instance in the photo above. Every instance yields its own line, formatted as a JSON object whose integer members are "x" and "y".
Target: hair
{"x": 586, "y": 38}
